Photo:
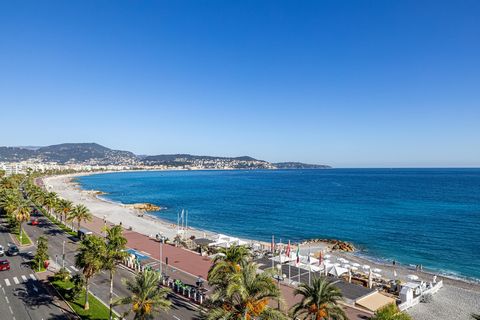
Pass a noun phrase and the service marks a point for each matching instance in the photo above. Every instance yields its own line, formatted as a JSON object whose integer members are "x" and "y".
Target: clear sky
{"x": 347, "y": 83}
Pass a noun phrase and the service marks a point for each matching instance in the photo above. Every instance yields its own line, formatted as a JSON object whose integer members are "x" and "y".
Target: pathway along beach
{"x": 457, "y": 300}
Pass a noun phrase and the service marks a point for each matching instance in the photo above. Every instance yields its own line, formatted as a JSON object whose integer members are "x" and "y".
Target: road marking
{"x": 24, "y": 279}
{"x": 73, "y": 268}
{"x": 32, "y": 277}
{"x": 7, "y": 282}
{"x": 176, "y": 317}
{"x": 6, "y": 298}
{"x": 15, "y": 279}
{"x": 11, "y": 311}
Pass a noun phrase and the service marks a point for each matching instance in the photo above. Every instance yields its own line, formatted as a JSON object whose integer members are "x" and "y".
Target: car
{"x": 34, "y": 222}
{"x": 4, "y": 265}
{"x": 12, "y": 250}
{"x": 2, "y": 251}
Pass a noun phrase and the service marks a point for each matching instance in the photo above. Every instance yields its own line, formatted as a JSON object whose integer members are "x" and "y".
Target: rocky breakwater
{"x": 333, "y": 244}
{"x": 144, "y": 206}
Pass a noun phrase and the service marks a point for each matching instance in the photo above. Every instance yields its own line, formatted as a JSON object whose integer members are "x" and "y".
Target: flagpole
{"x": 289, "y": 263}
{"x": 273, "y": 252}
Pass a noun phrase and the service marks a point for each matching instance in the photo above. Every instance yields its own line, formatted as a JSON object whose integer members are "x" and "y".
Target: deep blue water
{"x": 415, "y": 216}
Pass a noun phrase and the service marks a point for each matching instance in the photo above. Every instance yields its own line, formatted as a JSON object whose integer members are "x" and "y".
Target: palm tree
{"x": 227, "y": 260}
{"x": 319, "y": 301}
{"x": 147, "y": 298}
{"x": 22, "y": 214}
{"x": 80, "y": 213}
{"x": 115, "y": 254}
{"x": 64, "y": 206}
{"x": 247, "y": 296}
{"x": 390, "y": 312}
{"x": 50, "y": 201}
{"x": 90, "y": 258}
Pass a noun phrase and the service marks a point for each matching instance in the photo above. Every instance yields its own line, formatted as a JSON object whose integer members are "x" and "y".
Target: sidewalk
{"x": 57, "y": 300}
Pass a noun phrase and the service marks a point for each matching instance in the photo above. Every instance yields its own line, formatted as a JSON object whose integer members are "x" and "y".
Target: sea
{"x": 414, "y": 216}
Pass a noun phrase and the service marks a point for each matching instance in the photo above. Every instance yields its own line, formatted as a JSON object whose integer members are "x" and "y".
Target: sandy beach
{"x": 457, "y": 300}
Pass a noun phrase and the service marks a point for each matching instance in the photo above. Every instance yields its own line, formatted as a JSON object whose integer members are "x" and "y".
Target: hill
{"x": 299, "y": 165}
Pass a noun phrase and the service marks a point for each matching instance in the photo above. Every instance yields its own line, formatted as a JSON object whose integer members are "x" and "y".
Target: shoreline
{"x": 69, "y": 181}
{"x": 150, "y": 225}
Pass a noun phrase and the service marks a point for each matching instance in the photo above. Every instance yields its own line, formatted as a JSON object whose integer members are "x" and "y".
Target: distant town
{"x": 83, "y": 157}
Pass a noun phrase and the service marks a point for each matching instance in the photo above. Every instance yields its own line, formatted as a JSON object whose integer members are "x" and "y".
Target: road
{"x": 23, "y": 296}
{"x": 59, "y": 240}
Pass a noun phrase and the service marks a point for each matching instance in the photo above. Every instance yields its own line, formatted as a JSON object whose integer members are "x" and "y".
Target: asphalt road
{"x": 99, "y": 285}
{"x": 23, "y": 296}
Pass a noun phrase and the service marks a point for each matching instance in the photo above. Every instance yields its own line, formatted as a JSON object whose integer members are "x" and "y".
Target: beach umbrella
{"x": 342, "y": 260}
{"x": 377, "y": 270}
{"x": 412, "y": 277}
{"x": 356, "y": 264}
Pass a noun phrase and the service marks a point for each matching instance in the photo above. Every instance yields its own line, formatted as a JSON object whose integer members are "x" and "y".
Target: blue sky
{"x": 347, "y": 83}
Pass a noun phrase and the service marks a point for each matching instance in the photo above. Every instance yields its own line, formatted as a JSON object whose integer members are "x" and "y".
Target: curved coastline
{"x": 169, "y": 228}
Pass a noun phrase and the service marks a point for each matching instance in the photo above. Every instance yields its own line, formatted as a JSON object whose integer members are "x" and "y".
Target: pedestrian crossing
{"x": 16, "y": 280}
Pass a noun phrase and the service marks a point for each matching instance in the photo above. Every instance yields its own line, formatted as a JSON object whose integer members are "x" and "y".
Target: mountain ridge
{"x": 95, "y": 154}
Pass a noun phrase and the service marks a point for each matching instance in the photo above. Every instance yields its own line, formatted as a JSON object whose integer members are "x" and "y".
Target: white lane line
{"x": 11, "y": 311}
{"x": 32, "y": 277}
{"x": 3, "y": 289}
{"x": 73, "y": 268}
{"x": 6, "y": 298}
{"x": 176, "y": 317}
{"x": 7, "y": 282}
{"x": 24, "y": 279}
{"x": 15, "y": 279}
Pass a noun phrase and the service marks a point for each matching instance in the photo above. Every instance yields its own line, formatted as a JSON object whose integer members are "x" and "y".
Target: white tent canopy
{"x": 337, "y": 271}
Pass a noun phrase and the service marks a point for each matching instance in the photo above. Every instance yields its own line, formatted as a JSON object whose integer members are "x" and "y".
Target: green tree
{"x": 247, "y": 296}
{"x": 64, "y": 207}
{"x": 90, "y": 257}
{"x": 390, "y": 312}
{"x": 147, "y": 298}
{"x": 227, "y": 261}
{"x": 22, "y": 214}
{"x": 115, "y": 254}
{"x": 42, "y": 252}
{"x": 80, "y": 213}
{"x": 50, "y": 201}
{"x": 319, "y": 301}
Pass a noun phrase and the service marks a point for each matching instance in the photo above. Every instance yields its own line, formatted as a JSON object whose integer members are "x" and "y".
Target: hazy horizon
{"x": 348, "y": 84}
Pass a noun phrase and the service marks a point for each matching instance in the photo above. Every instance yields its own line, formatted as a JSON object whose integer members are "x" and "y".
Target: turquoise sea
{"x": 415, "y": 216}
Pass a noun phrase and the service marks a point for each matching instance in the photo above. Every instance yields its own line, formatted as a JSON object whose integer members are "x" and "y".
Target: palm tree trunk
{"x": 86, "y": 306}
{"x": 21, "y": 233}
{"x": 111, "y": 294}
{"x": 78, "y": 224}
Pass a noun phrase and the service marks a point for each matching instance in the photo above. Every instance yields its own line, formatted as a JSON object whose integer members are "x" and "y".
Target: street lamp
{"x": 105, "y": 226}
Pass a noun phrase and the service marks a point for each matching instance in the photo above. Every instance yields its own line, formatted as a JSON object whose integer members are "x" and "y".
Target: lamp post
{"x": 63, "y": 254}
{"x": 162, "y": 238}
{"x": 104, "y": 226}
{"x": 279, "y": 277}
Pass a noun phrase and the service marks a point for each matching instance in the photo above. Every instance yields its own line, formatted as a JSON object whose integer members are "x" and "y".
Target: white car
{"x": 2, "y": 251}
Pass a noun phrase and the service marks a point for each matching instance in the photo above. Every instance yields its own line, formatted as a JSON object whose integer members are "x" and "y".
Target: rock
{"x": 335, "y": 244}
{"x": 144, "y": 206}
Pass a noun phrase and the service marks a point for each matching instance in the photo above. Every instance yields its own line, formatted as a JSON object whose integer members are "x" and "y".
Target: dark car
{"x": 12, "y": 250}
{"x": 4, "y": 265}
